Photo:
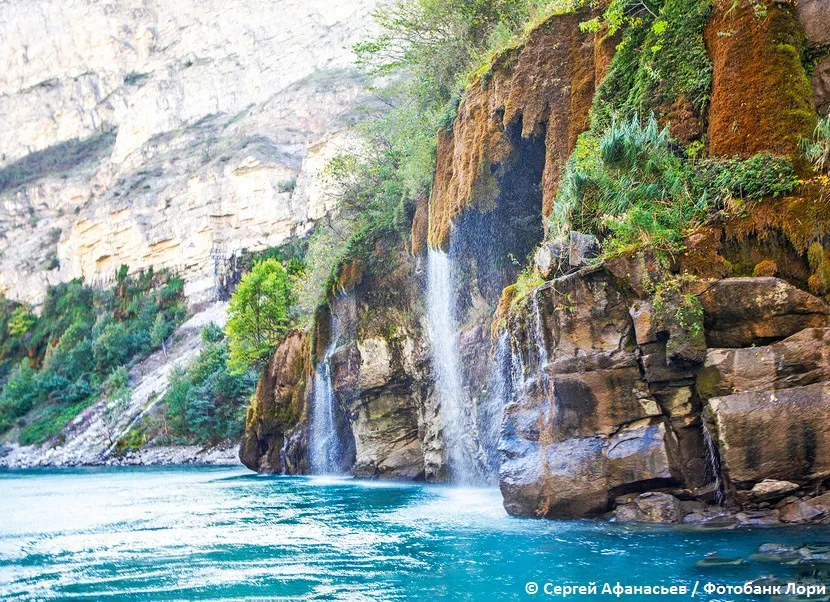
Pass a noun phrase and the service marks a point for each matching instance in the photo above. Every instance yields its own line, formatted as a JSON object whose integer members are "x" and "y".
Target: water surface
{"x": 225, "y": 534}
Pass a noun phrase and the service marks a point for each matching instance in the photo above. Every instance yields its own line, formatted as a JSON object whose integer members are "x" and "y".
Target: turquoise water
{"x": 225, "y": 534}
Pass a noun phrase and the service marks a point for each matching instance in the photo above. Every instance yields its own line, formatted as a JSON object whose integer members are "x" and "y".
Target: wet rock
{"x": 776, "y": 553}
{"x": 758, "y": 518}
{"x": 770, "y": 489}
{"x": 800, "y": 512}
{"x": 641, "y": 455}
{"x": 740, "y": 312}
{"x": 713, "y": 517}
{"x": 799, "y": 360}
{"x": 782, "y": 435}
{"x": 569, "y": 483}
{"x": 652, "y": 507}
{"x": 713, "y": 561}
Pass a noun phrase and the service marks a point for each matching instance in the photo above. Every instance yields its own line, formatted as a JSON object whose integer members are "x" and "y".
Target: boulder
{"x": 771, "y": 490}
{"x": 651, "y": 507}
{"x": 799, "y": 360}
{"x": 581, "y": 248}
{"x": 799, "y": 512}
{"x": 783, "y": 435}
{"x": 642, "y": 455}
{"x": 740, "y": 312}
{"x": 822, "y": 502}
{"x": 758, "y": 518}
{"x": 564, "y": 480}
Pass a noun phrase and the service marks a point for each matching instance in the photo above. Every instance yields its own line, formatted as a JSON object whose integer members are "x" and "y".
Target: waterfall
{"x": 326, "y": 448}
{"x": 490, "y": 411}
{"x": 713, "y": 470}
{"x": 446, "y": 367}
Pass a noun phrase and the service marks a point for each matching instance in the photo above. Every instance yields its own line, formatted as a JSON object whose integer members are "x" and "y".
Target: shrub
{"x": 817, "y": 150}
{"x": 79, "y": 346}
{"x": 206, "y": 402}
{"x": 634, "y": 187}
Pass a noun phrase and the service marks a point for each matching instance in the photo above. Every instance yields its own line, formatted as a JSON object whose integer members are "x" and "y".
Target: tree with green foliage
{"x": 258, "y": 314}
{"x": 206, "y": 402}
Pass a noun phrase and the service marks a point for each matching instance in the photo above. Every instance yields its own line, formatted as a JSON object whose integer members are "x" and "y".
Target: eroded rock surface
{"x": 204, "y": 126}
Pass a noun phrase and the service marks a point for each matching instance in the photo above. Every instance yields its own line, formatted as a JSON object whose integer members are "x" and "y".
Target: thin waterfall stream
{"x": 326, "y": 447}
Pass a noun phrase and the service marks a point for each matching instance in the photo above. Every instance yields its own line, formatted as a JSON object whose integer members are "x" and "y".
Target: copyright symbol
{"x": 532, "y": 587}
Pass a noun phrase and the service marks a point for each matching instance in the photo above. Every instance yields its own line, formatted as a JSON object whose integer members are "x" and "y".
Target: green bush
{"x": 206, "y": 402}
{"x": 661, "y": 59}
{"x": 83, "y": 338}
{"x": 634, "y": 187}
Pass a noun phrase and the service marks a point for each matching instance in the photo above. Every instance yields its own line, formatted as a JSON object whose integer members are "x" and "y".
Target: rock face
{"x": 612, "y": 413}
{"x": 275, "y": 439}
{"x": 712, "y": 391}
{"x": 511, "y": 110}
{"x": 203, "y": 126}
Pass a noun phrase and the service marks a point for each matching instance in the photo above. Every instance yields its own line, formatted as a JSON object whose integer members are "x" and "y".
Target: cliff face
{"x": 166, "y": 135}
{"x": 536, "y": 95}
{"x": 654, "y": 385}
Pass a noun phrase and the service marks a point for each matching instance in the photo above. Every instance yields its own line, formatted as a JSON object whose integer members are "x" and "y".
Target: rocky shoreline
{"x": 13, "y": 456}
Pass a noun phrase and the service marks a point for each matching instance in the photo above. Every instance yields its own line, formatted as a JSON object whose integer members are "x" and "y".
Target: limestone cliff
{"x": 166, "y": 134}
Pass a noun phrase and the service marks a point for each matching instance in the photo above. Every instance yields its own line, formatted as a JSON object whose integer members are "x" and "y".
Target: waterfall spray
{"x": 446, "y": 365}
{"x": 327, "y": 449}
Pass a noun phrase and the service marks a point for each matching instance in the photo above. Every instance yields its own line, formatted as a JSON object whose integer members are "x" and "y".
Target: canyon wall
{"x": 659, "y": 387}
{"x": 167, "y": 135}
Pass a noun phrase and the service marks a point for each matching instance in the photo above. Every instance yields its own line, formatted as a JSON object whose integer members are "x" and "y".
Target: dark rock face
{"x": 275, "y": 436}
{"x": 782, "y": 434}
{"x": 740, "y": 312}
{"x": 618, "y": 410}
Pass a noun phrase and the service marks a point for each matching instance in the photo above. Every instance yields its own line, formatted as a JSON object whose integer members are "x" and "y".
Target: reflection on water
{"x": 223, "y": 534}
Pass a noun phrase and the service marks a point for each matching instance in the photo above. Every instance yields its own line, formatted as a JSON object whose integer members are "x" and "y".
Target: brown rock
{"x": 642, "y": 455}
{"x": 799, "y": 360}
{"x": 781, "y": 434}
{"x": 642, "y": 314}
{"x": 569, "y": 482}
{"x": 739, "y": 312}
{"x": 278, "y": 405}
{"x": 822, "y": 502}
{"x": 770, "y": 489}
{"x": 652, "y": 507}
{"x": 800, "y": 512}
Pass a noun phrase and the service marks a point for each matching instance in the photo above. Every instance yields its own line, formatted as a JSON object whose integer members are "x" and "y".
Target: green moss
{"x": 661, "y": 61}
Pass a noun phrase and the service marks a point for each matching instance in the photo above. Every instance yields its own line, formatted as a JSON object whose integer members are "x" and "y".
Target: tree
{"x": 258, "y": 315}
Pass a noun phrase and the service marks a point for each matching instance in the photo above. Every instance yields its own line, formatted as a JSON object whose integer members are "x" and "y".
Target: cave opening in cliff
{"x": 491, "y": 247}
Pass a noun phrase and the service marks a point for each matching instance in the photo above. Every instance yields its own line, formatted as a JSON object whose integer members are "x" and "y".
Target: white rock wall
{"x": 216, "y": 107}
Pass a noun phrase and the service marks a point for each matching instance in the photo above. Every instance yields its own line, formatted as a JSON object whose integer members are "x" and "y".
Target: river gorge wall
{"x": 167, "y": 135}
{"x": 594, "y": 388}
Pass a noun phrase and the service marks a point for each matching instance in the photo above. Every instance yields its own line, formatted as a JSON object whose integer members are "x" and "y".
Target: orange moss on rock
{"x": 548, "y": 85}
{"x": 351, "y": 274}
{"x": 500, "y": 316}
{"x": 420, "y": 227}
{"x": 761, "y": 97}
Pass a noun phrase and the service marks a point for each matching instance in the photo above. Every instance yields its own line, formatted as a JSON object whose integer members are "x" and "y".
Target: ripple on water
{"x": 223, "y": 534}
